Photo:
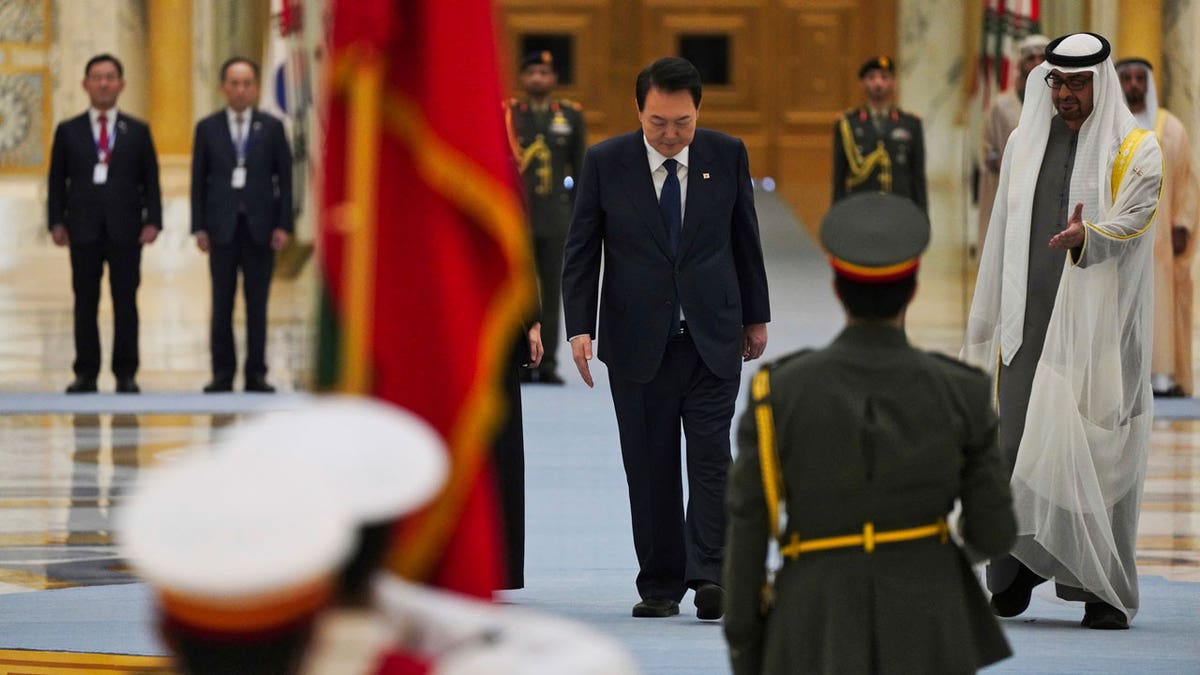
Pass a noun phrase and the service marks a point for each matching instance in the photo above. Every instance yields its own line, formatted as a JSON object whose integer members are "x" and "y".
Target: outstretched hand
{"x": 1073, "y": 236}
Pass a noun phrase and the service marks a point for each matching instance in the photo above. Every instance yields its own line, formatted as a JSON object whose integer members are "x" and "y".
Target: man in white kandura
{"x": 1062, "y": 318}
{"x": 1174, "y": 245}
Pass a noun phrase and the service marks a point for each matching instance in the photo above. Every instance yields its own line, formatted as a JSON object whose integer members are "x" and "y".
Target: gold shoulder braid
{"x": 539, "y": 151}
{"x": 861, "y": 167}
{"x": 775, "y": 496}
{"x": 773, "y": 489}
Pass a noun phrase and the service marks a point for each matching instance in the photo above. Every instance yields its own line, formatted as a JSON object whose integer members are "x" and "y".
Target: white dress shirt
{"x": 658, "y": 172}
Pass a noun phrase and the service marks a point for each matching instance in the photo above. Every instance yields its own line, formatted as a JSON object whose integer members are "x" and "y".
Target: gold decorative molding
{"x": 28, "y": 662}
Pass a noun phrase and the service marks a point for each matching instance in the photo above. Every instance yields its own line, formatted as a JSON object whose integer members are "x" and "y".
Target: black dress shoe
{"x": 655, "y": 609}
{"x": 82, "y": 385}
{"x": 710, "y": 602}
{"x": 1103, "y": 616}
{"x": 259, "y": 385}
{"x": 127, "y": 385}
{"x": 549, "y": 377}
{"x": 1015, "y": 599}
{"x": 218, "y": 386}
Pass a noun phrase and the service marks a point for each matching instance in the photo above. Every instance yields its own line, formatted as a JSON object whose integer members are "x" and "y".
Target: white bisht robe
{"x": 1078, "y": 477}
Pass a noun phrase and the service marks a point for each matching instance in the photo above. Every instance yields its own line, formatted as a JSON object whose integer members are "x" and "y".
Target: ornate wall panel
{"x": 585, "y": 23}
{"x": 786, "y": 69}
{"x": 24, "y": 77}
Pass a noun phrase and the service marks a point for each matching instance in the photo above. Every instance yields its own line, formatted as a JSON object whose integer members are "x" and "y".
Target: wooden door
{"x": 777, "y": 72}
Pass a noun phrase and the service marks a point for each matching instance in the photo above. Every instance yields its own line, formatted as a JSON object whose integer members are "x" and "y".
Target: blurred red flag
{"x": 424, "y": 253}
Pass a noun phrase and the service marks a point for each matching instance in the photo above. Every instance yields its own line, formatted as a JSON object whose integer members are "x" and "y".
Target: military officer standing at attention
{"x": 548, "y": 139}
{"x": 855, "y": 480}
{"x": 878, "y": 147}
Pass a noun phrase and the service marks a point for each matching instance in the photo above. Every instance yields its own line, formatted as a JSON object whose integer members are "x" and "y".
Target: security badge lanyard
{"x": 240, "y": 141}
{"x": 103, "y": 154}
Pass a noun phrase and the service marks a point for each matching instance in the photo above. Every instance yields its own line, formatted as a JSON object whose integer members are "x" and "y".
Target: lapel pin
{"x": 257, "y": 126}
{"x": 706, "y": 176}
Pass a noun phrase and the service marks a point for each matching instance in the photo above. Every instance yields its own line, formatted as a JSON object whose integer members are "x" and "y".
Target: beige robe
{"x": 1172, "y": 352}
{"x": 1002, "y": 118}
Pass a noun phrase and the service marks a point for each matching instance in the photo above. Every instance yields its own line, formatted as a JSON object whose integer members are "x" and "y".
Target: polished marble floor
{"x": 62, "y": 475}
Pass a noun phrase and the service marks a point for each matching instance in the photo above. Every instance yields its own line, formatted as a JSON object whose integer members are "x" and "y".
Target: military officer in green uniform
{"x": 878, "y": 147}
{"x": 548, "y": 139}
{"x": 851, "y": 459}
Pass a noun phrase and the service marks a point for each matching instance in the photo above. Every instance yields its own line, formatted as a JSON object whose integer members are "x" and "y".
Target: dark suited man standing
{"x": 104, "y": 204}
{"x": 670, "y": 209}
{"x": 241, "y": 216}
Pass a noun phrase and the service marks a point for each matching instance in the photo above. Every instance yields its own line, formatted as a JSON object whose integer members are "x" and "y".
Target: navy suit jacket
{"x": 130, "y": 198}
{"x": 718, "y": 272}
{"x": 267, "y": 196}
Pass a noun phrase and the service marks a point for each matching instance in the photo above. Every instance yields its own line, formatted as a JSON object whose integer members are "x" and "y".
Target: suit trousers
{"x": 508, "y": 459}
{"x": 257, "y": 263}
{"x": 124, "y": 277}
{"x": 676, "y": 552}
{"x": 548, "y": 257}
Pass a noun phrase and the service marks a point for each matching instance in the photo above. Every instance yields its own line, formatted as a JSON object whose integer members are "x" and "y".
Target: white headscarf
{"x": 1149, "y": 116}
{"x": 1032, "y": 44}
{"x": 1102, "y": 132}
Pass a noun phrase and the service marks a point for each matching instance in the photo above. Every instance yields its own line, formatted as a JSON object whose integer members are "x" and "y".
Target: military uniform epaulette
{"x": 951, "y": 360}
{"x": 571, "y": 104}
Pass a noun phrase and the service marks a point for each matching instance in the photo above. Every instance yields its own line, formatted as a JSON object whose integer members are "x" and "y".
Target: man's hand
{"x": 754, "y": 341}
{"x": 581, "y": 353}
{"x": 535, "y": 345}
{"x": 202, "y": 242}
{"x": 149, "y": 234}
{"x": 1179, "y": 240}
{"x": 1072, "y": 237}
{"x": 60, "y": 236}
{"x": 279, "y": 239}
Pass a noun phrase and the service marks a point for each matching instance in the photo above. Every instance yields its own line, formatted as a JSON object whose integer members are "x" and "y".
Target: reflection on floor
{"x": 62, "y": 476}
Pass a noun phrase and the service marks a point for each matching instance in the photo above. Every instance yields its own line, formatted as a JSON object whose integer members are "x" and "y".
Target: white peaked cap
{"x": 205, "y": 528}
{"x": 384, "y": 460}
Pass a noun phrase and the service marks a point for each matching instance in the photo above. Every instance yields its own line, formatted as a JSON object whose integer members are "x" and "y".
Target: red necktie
{"x": 103, "y": 119}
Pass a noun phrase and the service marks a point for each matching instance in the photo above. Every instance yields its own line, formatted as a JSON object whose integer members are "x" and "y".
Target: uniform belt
{"x": 867, "y": 540}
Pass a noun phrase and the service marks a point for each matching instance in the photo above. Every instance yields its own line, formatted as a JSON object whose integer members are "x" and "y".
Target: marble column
{"x": 932, "y": 62}
{"x": 932, "y": 65}
{"x": 1179, "y": 73}
{"x": 84, "y": 28}
{"x": 169, "y": 51}
{"x": 205, "y": 97}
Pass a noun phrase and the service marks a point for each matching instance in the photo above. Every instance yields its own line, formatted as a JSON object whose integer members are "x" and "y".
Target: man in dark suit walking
{"x": 670, "y": 209}
{"x": 241, "y": 216}
{"x": 104, "y": 204}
